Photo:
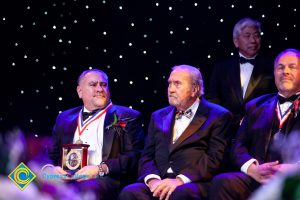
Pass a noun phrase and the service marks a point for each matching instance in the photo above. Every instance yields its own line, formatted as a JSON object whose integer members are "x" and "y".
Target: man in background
{"x": 242, "y": 77}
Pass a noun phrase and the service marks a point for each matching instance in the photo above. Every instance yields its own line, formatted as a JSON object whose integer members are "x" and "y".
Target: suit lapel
{"x": 291, "y": 121}
{"x": 235, "y": 80}
{"x": 168, "y": 124}
{"x": 196, "y": 123}
{"x": 269, "y": 115}
{"x": 71, "y": 129}
{"x": 255, "y": 78}
{"x": 108, "y": 134}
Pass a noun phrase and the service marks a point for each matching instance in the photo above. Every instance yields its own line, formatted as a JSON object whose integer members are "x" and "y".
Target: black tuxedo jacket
{"x": 225, "y": 84}
{"x": 121, "y": 153}
{"x": 254, "y": 136}
{"x": 198, "y": 151}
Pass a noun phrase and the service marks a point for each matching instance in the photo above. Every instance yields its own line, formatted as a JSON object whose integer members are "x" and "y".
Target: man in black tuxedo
{"x": 269, "y": 122}
{"x": 114, "y": 133}
{"x": 185, "y": 142}
{"x": 244, "y": 76}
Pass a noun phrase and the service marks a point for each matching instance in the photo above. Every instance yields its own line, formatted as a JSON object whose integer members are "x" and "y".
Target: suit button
{"x": 171, "y": 162}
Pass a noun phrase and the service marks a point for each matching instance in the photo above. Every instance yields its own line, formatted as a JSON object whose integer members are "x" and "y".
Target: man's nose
{"x": 99, "y": 87}
{"x": 252, "y": 38}
{"x": 286, "y": 70}
{"x": 171, "y": 87}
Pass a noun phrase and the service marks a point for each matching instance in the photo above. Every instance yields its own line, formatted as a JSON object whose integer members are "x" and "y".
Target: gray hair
{"x": 196, "y": 75}
{"x": 91, "y": 70}
{"x": 243, "y": 23}
{"x": 297, "y": 52}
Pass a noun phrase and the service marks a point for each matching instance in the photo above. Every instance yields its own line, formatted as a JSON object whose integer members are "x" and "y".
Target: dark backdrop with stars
{"x": 46, "y": 44}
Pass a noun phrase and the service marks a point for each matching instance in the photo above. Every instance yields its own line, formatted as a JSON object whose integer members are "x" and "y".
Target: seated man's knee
{"x": 186, "y": 191}
{"x": 133, "y": 191}
{"x": 224, "y": 180}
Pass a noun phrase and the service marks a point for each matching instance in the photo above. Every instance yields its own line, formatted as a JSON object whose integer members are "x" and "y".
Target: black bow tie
{"x": 282, "y": 99}
{"x": 86, "y": 115}
{"x": 188, "y": 113}
{"x": 245, "y": 60}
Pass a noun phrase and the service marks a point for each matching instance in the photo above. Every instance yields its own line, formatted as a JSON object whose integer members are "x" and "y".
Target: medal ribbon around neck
{"x": 82, "y": 128}
{"x": 282, "y": 117}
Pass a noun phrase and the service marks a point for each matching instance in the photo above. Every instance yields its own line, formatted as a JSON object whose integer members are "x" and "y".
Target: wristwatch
{"x": 101, "y": 172}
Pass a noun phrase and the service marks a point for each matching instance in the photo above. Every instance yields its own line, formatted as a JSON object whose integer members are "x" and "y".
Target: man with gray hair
{"x": 185, "y": 142}
{"x": 244, "y": 76}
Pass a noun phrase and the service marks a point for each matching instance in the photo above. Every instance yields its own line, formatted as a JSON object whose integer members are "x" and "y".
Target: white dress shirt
{"x": 92, "y": 135}
{"x": 245, "y": 74}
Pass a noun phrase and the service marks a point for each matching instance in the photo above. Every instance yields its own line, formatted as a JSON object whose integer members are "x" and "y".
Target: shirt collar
{"x": 297, "y": 93}
{"x": 246, "y": 57}
{"x": 194, "y": 106}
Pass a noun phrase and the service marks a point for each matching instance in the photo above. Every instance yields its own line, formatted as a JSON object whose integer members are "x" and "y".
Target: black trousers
{"x": 232, "y": 186}
{"x": 104, "y": 188}
{"x": 190, "y": 191}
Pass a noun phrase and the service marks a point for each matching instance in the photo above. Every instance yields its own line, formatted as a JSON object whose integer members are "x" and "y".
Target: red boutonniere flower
{"x": 296, "y": 107}
{"x": 118, "y": 124}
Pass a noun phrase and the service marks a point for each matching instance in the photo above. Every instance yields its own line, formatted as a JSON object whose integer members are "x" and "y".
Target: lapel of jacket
{"x": 108, "y": 134}
{"x": 71, "y": 126}
{"x": 196, "y": 123}
{"x": 268, "y": 116}
{"x": 168, "y": 124}
{"x": 235, "y": 79}
{"x": 291, "y": 122}
{"x": 255, "y": 78}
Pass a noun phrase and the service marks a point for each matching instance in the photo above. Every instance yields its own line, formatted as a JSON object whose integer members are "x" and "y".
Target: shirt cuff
{"x": 150, "y": 176}
{"x": 45, "y": 166}
{"x": 107, "y": 170}
{"x": 184, "y": 178}
{"x": 247, "y": 164}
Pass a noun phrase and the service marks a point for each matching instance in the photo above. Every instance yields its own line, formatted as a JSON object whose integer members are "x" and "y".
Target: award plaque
{"x": 74, "y": 157}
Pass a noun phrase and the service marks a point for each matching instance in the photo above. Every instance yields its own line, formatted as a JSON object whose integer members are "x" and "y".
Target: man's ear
{"x": 236, "y": 43}
{"x": 79, "y": 91}
{"x": 196, "y": 90}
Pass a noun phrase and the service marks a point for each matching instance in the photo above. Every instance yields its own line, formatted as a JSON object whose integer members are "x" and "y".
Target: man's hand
{"x": 49, "y": 171}
{"x": 285, "y": 167}
{"x": 87, "y": 173}
{"x": 164, "y": 188}
{"x": 262, "y": 173}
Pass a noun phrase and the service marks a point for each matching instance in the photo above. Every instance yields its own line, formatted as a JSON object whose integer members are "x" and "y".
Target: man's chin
{"x": 101, "y": 104}
{"x": 173, "y": 103}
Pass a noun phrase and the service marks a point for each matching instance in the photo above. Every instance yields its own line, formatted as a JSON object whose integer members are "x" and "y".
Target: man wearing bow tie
{"x": 261, "y": 146}
{"x": 114, "y": 133}
{"x": 185, "y": 142}
{"x": 244, "y": 76}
